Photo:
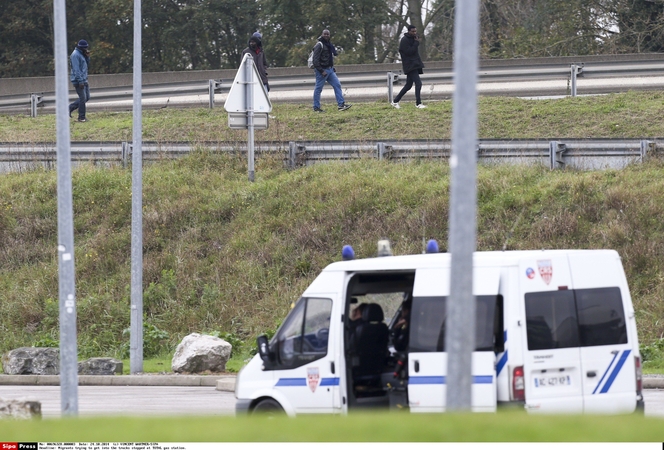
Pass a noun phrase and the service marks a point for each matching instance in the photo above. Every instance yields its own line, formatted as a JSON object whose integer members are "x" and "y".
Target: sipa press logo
{"x": 19, "y": 446}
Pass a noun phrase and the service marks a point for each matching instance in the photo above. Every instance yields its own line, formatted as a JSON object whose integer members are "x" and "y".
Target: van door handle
{"x": 332, "y": 367}
{"x": 591, "y": 374}
{"x": 417, "y": 366}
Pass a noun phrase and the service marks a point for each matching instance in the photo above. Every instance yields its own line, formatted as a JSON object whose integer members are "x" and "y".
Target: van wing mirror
{"x": 264, "y": 349}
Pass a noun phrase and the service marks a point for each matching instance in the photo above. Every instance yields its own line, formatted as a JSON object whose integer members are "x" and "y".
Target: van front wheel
{"x": 268, "y": 407}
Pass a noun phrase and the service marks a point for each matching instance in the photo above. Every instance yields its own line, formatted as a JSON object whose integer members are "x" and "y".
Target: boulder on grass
{"x": 100, "y": 366}
{"x": 200, "y": 353}
{"x": 19, "y": 409}
{"x": 32, "y": 361}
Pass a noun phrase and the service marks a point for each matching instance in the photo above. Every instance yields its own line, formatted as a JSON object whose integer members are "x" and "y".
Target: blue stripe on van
{"x": 501, "y": 363}
{"x": 605, "y": 372}
{"x": 290, "y": 382}
{"x": 477, "y": 379}
{"x": 615, "y": 372}
{"x": 330, "y": 381}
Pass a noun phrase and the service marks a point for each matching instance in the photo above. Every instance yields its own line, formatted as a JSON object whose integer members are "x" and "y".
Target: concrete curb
{"x": 653, "y": 382}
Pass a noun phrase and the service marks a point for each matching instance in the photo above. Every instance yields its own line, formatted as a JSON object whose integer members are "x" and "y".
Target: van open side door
{"x": 427, "y": 359}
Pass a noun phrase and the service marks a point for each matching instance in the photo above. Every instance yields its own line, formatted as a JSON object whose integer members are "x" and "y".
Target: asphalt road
{"x": 174, "y": 400}
{"x": 130, "y": 400}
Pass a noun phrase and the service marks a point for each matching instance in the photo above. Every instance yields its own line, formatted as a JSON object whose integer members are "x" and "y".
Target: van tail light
{"x": 518, "y": 384}
{"x": 639, "y": 375}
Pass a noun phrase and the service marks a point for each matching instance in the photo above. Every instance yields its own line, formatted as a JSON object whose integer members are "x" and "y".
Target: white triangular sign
{"x": 237, "y": 96}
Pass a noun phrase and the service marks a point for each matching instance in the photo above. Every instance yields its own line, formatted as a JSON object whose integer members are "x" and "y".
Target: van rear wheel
{"x": 268, "y": 407}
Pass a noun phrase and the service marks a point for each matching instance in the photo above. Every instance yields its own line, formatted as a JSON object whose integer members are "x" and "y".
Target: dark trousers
{"x": 411, "y": 77}
{"x": 83, "y": 91}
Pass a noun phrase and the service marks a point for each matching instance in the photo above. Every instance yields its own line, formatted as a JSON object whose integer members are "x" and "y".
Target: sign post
{"x": 460, "y": 334}
{"x": 136, "y": 314}
{"x": 248, "y": 105}
{"x": 66, "y": 269}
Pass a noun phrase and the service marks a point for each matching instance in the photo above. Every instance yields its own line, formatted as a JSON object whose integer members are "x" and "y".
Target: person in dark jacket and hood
{"x": 324, "y": 53}
{"x": 255, "y": 49}
{"x": 80, "y": 60}
{"x": 412, "y": 66}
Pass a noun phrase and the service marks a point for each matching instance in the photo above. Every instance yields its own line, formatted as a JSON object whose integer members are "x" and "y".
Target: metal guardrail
{"x": 581, "y": 154}
{"x": 361, "y": 77}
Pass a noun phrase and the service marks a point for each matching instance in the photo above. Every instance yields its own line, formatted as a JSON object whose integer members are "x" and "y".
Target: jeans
{"x": 83, "y": 91}
{"x": 330, "y": 77}
{"x": 411, "y": 77}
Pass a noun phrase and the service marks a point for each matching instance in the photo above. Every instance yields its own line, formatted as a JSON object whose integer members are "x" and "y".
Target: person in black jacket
{"x": 324, "y": 53}
{"x": 412, "y": 66}
{"x": 255, "y": 49}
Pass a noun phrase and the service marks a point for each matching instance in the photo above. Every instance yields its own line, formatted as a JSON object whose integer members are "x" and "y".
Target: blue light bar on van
{"x": 347, "y": 253}
{"x": 432, "y": 246}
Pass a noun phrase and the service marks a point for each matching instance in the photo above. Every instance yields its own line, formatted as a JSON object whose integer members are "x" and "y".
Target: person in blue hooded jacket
{"x": 79, "y": 62}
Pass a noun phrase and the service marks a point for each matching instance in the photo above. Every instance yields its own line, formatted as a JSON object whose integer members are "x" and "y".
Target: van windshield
{"x": 427, "y": 332}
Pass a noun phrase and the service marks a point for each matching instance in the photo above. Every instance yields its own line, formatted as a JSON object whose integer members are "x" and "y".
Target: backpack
{"x": 310, "y": 60}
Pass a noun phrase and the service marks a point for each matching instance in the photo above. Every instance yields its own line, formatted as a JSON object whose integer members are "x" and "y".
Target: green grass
{"x": 375, "y": 427}
{"x": 625, "y": 115}
{"x": 227, "y": 257}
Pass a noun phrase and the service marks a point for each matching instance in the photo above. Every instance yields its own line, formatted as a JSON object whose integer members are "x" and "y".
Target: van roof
{"x": 412, "y": 262}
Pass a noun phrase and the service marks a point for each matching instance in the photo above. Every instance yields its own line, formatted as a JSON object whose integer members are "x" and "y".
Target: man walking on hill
{"x": 255, "y": 49}
{"x": 412, "y": 66}
{"x": 80, "y": 60}
{"x": 323, "y": 60}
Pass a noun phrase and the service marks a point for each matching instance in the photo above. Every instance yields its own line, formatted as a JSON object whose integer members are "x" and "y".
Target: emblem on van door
{"x": 313, "y": 378}
{"x": 545, "y": 269}
{"x": 530, "y": 273}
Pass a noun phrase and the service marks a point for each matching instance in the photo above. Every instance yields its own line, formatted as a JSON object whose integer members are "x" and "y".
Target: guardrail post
{"x": 126, "y": 153}
{"x": 575, "y": 69}
{"x": 292, "y": 155}
{"x": 556, "y": 148}
{"x": 645, "y": 145}
{"x": 381, "y": 149}
{"x": 392, "y": 78}
{"x": 35, "y": 100}
{"x": 213, "y": 86}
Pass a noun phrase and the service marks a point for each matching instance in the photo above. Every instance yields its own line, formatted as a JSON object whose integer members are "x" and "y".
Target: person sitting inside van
{"x": 400, "y": 330}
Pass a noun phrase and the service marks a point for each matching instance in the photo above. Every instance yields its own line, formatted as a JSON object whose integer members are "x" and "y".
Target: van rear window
{"x": 427, "y": 333}
{"x": 575, "y": 318}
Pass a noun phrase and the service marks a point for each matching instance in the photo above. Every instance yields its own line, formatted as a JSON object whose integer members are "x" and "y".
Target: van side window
{"x": 575, "y": 318}
{"x": 427, "y": 333}
{"x": 304, "y": 336}
{"x": 551, "y": 320}
{"x": 601, "y": 317}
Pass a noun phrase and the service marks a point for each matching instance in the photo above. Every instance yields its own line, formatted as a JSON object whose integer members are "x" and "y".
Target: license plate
{"x": 552, "y": 381}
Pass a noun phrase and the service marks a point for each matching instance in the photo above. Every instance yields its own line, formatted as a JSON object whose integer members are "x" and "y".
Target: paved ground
{"x": 130, "y": 400}
{"x": 174, "y": 400}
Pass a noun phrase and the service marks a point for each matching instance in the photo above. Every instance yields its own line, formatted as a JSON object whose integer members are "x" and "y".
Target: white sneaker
{"x": 421, "y": 106}
{"x": 396, "y": 105}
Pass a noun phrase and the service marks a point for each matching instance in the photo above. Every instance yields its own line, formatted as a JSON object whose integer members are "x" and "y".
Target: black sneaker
{"x": 316, "y": 109}
{"x": 344, "y": 106}
{"x": 82, "y": 119}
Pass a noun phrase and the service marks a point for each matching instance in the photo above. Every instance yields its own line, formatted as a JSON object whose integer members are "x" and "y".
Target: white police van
{"x": 555, "y": 333}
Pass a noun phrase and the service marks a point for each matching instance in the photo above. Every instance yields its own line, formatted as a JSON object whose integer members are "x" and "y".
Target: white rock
{"x": 199, "y": 353}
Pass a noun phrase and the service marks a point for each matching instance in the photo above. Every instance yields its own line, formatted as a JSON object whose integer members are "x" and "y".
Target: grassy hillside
{"x": 226, "y": 256}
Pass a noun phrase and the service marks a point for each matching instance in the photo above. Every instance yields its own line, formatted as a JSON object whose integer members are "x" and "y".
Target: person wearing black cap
{"x": 79, "y": 61}
{"x": 255, "y": 49}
